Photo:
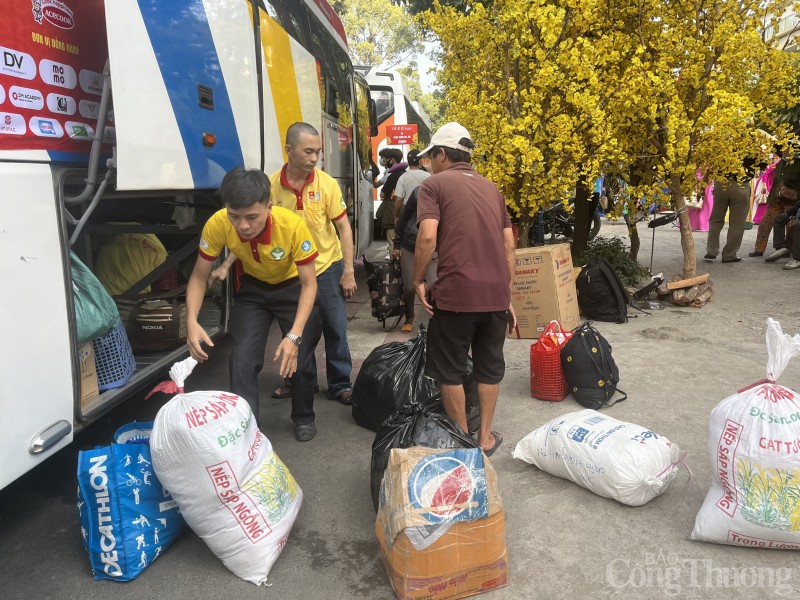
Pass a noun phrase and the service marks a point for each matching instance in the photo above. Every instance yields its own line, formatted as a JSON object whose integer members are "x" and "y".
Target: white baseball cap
{"x": 449, "y": 135}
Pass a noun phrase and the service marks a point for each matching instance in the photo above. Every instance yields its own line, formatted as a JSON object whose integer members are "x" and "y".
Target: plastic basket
{"x": 547, "y": 375}
{"x": 167, "y": 281}
{"x": 114, "y": 358}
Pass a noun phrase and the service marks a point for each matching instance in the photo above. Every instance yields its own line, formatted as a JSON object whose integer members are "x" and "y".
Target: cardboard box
{"x": 469, "y": 559}
{"x": 544, "y": 290}
{"x": 88, "y": 371}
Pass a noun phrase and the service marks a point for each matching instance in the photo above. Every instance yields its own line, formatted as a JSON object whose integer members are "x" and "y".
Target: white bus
{"x": 401, "y": 122}
{"x": 120, "y": 117}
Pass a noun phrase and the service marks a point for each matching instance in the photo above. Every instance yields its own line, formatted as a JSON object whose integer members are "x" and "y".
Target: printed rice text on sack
{"x": 241, "y": 505}
{"x": 726, "y": 458}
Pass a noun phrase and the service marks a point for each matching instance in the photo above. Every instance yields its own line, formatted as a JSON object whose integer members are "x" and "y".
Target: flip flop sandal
{"x": 344, "y": 397}
{"x": 498, "y": 439}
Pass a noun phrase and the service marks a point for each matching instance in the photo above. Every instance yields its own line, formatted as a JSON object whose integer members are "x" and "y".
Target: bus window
{"x": 291, "y": 16}
{"x": 423, "y": 128}
{"x": 384, "y": 102}
{"x": 334, "y": 71}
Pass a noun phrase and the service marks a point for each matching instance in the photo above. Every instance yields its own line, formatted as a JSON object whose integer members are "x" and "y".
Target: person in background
{"x": 786, "y": 226}
{"x": 732, "y": 194}
{"x": 391, "y": 160}
{"x": 404, "y": 246}
{"x": 464, "y": 215}
{"x": 277, "y": 253}
{"x": 408, "y": 182}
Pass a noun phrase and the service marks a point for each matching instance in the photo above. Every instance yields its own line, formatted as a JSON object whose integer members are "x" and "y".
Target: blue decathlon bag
{"x": 127, "y": 518}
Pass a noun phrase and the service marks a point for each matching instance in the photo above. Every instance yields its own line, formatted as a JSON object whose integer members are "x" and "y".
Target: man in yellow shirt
{"x": 277, "y": 252}
{"x": 315, "y": 196}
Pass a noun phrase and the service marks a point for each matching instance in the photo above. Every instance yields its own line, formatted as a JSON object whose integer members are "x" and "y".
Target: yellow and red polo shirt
{"x": 320, "y": 203}
{"x": 273, "y": 256}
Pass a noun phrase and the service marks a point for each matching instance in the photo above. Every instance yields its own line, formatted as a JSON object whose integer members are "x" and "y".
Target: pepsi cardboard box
{"x": 469, "y": 558}
{"x": 543, "y": 290}
{"x": 440, "y": 525}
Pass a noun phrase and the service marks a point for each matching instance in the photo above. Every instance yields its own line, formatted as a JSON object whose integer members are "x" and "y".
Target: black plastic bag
{"x": 412, "y": 425}
{"x": 393, "y": 375}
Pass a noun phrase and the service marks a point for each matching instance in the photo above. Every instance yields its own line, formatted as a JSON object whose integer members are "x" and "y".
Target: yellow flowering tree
{"x": 530, "y": 79}
{"x": 700, "y": 84}
{"x": 557, "y": 91}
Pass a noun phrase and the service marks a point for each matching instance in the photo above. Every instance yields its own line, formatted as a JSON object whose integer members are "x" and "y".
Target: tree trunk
{"x": 687, "y": 238}
{"x": 585, "y": 207}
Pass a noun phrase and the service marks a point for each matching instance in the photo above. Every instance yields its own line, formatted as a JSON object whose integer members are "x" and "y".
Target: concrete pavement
{"x": 563, "y": 541}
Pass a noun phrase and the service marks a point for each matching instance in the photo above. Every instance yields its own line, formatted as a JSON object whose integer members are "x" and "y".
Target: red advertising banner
{"x": 397, "y": 135}
{"x": 52, "y": 54}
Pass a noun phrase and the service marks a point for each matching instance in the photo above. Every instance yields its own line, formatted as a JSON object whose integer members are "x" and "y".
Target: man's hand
{"x": 219, "y": 274}
{"x": 287, "y": 352}
{"x": 348, "y": 283}
{"x": 512, "y": 319}
{"x": 396, "y": 253}
{"x": 422, "y": 293}
{"x": 194, "y": 336}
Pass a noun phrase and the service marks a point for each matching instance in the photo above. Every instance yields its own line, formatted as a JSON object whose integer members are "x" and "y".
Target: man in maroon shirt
{"x": 464, "y": 215}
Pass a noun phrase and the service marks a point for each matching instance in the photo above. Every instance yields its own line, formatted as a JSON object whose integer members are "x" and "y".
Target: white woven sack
{"x": 754, "y": 446}
{"x": 612, "y": 458}
{"x": 232, "y": 489}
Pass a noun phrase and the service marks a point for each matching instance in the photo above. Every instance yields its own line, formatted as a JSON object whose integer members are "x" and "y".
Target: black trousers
{"x": 255, "y": 307}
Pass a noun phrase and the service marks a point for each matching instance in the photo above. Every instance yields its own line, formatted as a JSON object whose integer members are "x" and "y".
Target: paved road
{"x": 563, "y": 541}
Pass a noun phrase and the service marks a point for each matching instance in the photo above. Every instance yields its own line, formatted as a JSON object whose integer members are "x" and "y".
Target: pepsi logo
{"x": 443, "y": 487}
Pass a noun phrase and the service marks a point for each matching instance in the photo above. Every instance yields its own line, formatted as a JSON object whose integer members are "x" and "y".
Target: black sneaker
{"x": 755, "y": 254}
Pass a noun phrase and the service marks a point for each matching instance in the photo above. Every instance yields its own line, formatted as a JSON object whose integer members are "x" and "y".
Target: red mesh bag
{"x": 547, "y": 376}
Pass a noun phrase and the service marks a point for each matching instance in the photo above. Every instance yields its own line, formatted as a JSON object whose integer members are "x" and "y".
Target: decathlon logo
{"x": 58, "y": 14}
{"x": 305, "y": 246}
{"x": 449, "y": 487}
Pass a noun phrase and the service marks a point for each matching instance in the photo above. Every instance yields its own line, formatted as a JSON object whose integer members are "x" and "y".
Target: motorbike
{"x": 554, "y": 225}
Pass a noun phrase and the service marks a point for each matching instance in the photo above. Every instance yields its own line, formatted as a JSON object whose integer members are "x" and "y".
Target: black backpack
{"x": 590, "y": 370}
{"x": 385, "y": 290}
{"x": 601, "y": 295}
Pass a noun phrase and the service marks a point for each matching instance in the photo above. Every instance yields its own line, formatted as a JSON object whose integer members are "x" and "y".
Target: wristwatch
{"x": 295, "y": 339}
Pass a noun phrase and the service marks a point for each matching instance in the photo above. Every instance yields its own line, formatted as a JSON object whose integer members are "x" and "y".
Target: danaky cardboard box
{"x": 440, "y": 526}
{"x": 89, "y": 387}
{"x": 544, "y": 290}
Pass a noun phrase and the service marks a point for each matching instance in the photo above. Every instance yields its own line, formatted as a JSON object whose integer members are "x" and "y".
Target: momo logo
{"x": 305, "y": 246}
{"x": 58, "y": 74}
{"x": 449, "y": 487}
{"x": 278, "y": 253}
{"x": 58, "y": 14}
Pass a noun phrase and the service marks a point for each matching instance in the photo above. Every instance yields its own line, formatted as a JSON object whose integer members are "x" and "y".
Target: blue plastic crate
{"x": 114, "y": 358}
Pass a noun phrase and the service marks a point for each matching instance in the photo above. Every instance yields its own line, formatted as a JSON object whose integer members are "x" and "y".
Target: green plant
{"x": 616, "y": 252}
